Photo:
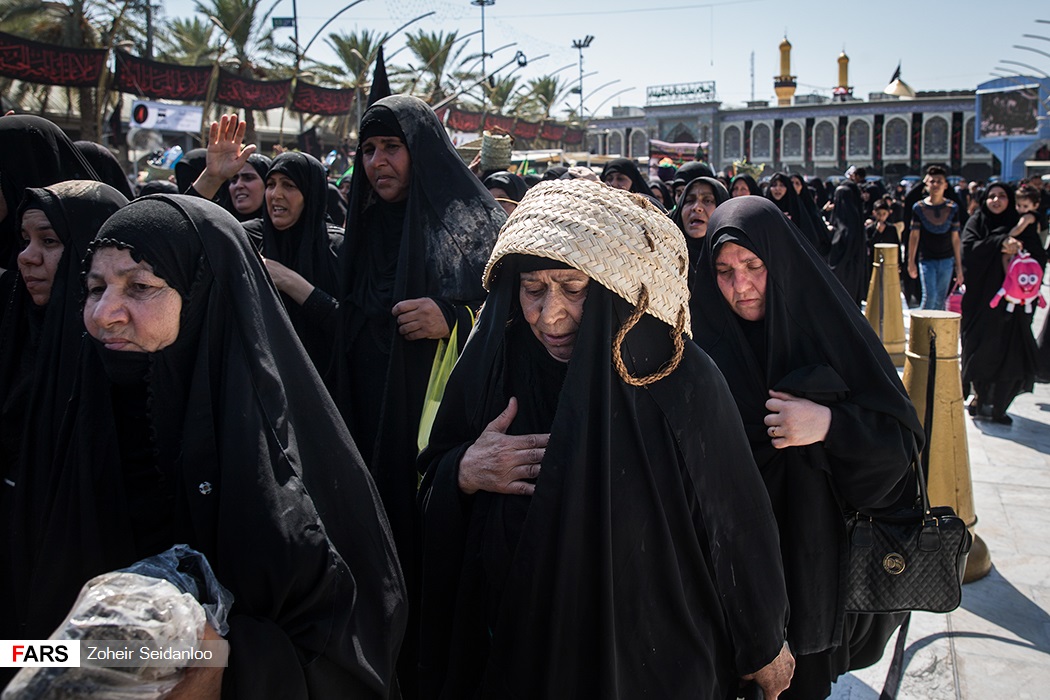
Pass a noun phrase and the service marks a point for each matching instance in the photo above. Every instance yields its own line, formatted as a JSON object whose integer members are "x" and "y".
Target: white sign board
{"x": 166, "y": 117}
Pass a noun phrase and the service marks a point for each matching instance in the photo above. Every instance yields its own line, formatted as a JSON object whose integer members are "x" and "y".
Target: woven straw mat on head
{"x": 618, "y": 239}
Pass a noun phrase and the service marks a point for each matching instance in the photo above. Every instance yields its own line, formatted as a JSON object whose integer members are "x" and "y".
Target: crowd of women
{"x": 633, "y": 482}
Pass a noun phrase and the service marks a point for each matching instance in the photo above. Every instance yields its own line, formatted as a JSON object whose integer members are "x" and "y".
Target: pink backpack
{"x": 1021, "y": 286}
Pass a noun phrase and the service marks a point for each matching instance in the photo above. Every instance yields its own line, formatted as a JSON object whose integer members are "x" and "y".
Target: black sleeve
{"x": 320, "y": 308}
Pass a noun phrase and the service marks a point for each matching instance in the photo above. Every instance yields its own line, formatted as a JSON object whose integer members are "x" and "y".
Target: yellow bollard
{"x": 884, "y": 310}
{"x": 949, "y": 468}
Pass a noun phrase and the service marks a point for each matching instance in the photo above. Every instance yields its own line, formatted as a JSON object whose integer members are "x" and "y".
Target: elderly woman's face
{"x": 38, "y": 261}
{"x": 741, "y": 278}
{"x": 503, "y": 199}
{"x": 619, "y": 181}
{"x": 128, "y": 307}
{"x": 552, "y": 302}
{"x": 740, "y": 189}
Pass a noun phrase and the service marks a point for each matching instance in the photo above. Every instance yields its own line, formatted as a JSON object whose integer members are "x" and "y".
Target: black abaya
{"x": 106, "y": 166}
{"x": 248, "y": 453}
{"x": 643, "y": 566}
{"x": 999, "y": 353}
{"x": 626, "y": 166}
{"x": 847, "y": 256}
{"x": 812, "y": 343}
{"x": 309, "y": 247}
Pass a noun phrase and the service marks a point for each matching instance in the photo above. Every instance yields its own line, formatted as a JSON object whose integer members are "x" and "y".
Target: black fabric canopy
{"x": 644, "y": 565}
{"x": 815, "y": 344}
{"x": 263, "y": 476}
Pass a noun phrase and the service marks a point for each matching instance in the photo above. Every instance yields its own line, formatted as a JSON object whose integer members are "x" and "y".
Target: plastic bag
{"x": 191, "y": 573}
{"x": 153, "y": 602}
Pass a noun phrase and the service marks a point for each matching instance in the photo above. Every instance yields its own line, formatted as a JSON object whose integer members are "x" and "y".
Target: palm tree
{"x": 79, "y": 24}
{"x": 189, "y": 42}
{"x": 248, "y": 43}
{"x": 542, "y": 95}
{"x": 503, "y": 95}
{"x": 435, "y": 54}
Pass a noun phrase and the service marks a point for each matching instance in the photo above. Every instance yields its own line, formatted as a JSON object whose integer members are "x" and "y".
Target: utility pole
{"x": 484, "y": 86}
{"x": 580, "y": 45}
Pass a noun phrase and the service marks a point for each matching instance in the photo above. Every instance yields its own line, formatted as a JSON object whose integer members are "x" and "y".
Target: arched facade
{"x": 731, "y": 142}
{"x": 614, "y": 144}
{"x": 761, "y": 143}
{"x": 639, "y": 143}
{"x": 935, "y": 132}
{"x": 791, "y": 141}
{"x": 824, "y": 141}
{"x": 895, "y": 141}
{"x": 858, "y": 139}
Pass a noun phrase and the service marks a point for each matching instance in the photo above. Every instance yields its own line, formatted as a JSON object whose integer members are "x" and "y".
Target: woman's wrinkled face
{"x": 777, "y": 189}
{"x": 128, "y": 307}
{"x": 997, "y": 200}
{"x": 247, "y": 190}
{"x": 618, "y": 181}
{"x": 697, "y": 207}
{"x": 284, "y": 201}
{"x": 552, "y": 303}
{"x": 38, "y": 261}
{"x": 740, "y": 189}
{"x": 388, "y": 167}
{"x": 741, "y": 277}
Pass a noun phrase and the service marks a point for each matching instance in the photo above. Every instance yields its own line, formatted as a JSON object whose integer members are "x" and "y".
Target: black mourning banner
{"x": 161, "y": 81}
{"x": 248, "y": 93}
{"x": 47, "y": 64}
{"x": 313, "y": 99}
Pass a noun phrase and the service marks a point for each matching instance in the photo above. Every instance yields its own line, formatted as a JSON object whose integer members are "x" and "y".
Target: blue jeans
{"x": 935, "y": 275}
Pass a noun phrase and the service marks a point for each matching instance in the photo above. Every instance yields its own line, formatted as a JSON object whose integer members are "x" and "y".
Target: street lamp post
{"x": 580, "y": 45}
{"x": 483, "y": 4}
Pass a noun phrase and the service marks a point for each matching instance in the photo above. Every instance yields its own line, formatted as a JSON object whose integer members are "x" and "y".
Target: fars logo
{"x": 41, "y": 653}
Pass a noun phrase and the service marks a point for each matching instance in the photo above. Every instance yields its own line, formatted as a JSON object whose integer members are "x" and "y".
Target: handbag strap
{"x": 895, "y": 672}
{"x": 927, "y": 424}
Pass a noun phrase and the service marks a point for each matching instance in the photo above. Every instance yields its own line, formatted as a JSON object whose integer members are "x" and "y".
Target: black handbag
{"x": 912, "y": 559}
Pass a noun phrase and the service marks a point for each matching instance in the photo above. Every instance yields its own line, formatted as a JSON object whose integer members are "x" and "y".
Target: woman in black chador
{"x": 39, "y": 340}
{"x": 197, "y": 418}
{"x": 623, "y": 174}
{"x": 848, "y": 254}
{"x": 106, "y": 166}
{"x": 829, "y": 422}
{"x": 581, "y": 536}
{"x": 999, "y": 353}
{"x": 300, "y": 247}
{"x": 782, "y": 193}
{"x": 419, "y": 229}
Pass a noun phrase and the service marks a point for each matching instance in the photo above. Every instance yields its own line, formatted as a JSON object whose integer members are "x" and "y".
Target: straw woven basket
{"x": 495, "y": 151}
{"x": 618, "y": 239}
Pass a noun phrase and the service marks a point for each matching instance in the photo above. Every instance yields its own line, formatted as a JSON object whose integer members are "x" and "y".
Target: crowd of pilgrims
{"x": 585, "y": 515}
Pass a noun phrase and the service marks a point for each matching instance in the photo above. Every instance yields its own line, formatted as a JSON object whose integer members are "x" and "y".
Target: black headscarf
{"x": 821, "y": 191}
{"x": 791, "y": 204}
{"x": 696, "y": 245}
{"x": 309, "y": 247}
{"x": 690, "y": 171}
{"x": 847, "y": 255}
{"x": 33, "y": 153}
{"x": 106, "y": 166}
{"x": 625, "y": 166}
{"x": 815, "y": 344}
{"x": 510, "y": 183}
{"x": 666, "y": 195}
{"x": 158, "y": 187}
{"x": 336, "y": 205}
{"x": 189, "y": 167}
{"x": 650, "y": 557}
{"x": 434, "y": 244}
{"x": 555, "y": 172}
{"x": 752, "y": 186}
{"x": 997, "y": 345}
{"x": 265, "y": 480}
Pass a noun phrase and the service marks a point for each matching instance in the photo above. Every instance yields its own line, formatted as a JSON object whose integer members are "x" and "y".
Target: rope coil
{"x": 676, "y": 337}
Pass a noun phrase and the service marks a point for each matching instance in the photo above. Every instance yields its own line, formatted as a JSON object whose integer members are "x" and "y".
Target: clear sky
{"x": 941, "y": 45}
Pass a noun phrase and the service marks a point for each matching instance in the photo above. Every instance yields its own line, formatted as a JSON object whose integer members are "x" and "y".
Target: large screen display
{"x": 1009, "y": 113}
